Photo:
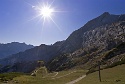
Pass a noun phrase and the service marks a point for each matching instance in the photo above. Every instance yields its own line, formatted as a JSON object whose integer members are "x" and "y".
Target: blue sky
{"x": 16, "y": 24}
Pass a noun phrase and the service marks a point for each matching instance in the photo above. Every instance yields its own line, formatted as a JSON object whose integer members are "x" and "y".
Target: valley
{"x": 62, "y": 42}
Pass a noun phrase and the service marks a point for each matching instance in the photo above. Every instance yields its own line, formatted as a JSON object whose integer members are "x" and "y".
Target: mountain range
{"x": 13, "y": 48}
{"x": 100, "y": 39}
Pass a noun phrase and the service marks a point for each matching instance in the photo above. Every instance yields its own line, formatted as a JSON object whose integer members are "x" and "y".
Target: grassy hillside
{"x": 115, "y": 75}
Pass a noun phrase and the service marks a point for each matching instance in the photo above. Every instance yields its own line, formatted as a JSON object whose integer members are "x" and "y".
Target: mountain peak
{"x": 106, "y": 13}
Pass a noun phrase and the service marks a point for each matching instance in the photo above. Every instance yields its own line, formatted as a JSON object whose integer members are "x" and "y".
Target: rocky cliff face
{"x": 12, "y": 48}
{"x": 82, "y": 47}
{"x": 106, "y": 37}
{"x": 75, "y": 40}
{"x": 103, "y": 34}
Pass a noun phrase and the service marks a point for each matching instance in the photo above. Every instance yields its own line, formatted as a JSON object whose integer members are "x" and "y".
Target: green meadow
{"x": 115, "y": 75}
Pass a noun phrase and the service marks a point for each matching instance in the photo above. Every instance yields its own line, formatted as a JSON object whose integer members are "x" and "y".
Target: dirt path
{"x": 55, "y": 74}
{"x": 66, "y": 74}
{"x": 78, "y": 79}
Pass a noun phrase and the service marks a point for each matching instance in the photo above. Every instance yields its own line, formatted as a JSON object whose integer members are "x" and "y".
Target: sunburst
{"x": 45, "y": 11}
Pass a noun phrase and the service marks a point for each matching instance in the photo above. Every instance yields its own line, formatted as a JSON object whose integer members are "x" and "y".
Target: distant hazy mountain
{"x": 13, "y": 48}
{"x": 84, "y": 45}
{"x": 27, "y": 58}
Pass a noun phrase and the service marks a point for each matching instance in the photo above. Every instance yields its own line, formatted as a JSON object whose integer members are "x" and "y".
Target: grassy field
{"x": 48, "y": 78}
{"x": 115, "y": 75}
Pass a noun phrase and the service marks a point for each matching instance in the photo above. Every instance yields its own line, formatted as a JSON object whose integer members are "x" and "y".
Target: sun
{"x": 46, "y": 11}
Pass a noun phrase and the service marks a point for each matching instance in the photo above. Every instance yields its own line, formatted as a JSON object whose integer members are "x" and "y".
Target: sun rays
{"x": 45, "y": 12}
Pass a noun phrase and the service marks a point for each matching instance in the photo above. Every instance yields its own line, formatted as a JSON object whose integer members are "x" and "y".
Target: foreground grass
{"x": 51, "y": 78}
{"x": 115, "y": 75}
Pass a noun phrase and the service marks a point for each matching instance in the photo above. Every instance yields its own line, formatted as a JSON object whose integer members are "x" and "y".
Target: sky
{"x": 18, "y": 21}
